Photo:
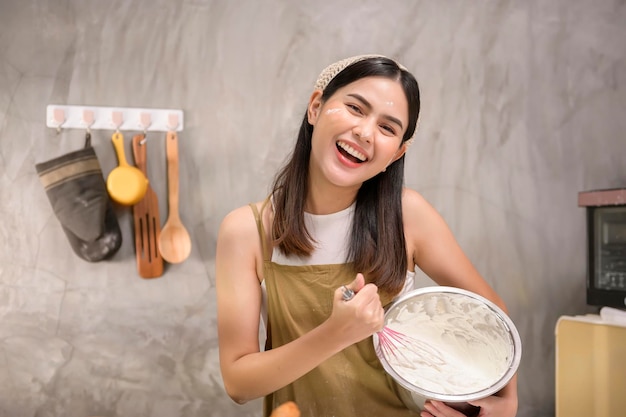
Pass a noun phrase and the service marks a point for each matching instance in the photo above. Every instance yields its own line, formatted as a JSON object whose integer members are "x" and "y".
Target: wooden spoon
{"x": 174, "y": 241}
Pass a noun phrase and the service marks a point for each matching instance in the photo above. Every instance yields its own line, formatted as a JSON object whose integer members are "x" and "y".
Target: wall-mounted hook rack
{"x": 112, "y": 118}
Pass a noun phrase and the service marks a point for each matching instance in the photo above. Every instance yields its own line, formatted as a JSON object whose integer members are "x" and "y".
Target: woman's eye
{"x": 389, "y": 129}
{"x": 354, "y": 108}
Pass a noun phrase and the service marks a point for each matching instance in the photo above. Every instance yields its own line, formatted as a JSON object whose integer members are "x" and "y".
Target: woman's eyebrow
{"x": 369, "y": 107}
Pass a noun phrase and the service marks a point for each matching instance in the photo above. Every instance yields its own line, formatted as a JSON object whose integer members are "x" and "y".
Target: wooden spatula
{"x": 146, "y": 219}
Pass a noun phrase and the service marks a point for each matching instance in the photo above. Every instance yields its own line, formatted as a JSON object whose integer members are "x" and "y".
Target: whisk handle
{"x": 347, "y": 293}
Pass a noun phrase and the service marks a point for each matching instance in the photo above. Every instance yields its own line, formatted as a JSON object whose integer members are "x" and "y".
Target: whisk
{"x": 396, "y": 346}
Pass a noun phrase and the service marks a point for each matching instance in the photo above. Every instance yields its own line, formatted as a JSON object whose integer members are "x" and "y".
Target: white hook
{"x": 58, "y": 116}
{"x": 145, "y": 121}
{"x": 172, "y": 122}
{"x": 88, "y": 119}
{"x": 118, "y": 119}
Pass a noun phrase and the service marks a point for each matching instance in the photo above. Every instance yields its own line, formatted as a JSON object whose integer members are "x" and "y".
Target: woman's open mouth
{"x": 350, "y": 153}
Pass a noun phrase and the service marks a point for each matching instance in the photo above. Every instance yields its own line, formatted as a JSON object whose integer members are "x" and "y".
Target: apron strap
{"x": 267, "y": 255}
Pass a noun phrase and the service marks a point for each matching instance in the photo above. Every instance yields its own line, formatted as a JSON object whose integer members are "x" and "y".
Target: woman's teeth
{"x": 351, "y": 151}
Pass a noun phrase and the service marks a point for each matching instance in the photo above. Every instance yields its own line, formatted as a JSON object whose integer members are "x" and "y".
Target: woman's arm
{"x": 247, "y": 372}
{"x": 436, "y": 252}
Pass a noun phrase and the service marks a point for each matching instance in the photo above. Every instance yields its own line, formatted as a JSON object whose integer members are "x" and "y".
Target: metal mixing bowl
{"x": 424, "y": 307}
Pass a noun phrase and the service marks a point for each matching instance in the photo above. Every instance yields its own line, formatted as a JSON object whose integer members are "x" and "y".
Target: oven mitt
{"x": 77, "y": 192}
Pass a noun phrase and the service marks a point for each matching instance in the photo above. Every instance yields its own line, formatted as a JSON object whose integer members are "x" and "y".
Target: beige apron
{"x": 350, "y": 383}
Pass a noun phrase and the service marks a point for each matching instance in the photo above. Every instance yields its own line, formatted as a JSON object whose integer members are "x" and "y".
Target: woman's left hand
{"x": 492, "y": 406}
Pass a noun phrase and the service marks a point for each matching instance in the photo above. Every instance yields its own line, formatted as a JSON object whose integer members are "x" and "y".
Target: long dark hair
{"x": 377, "y": 243}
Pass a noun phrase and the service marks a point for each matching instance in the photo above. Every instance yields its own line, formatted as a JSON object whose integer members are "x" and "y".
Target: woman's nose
{"x": 364, "y": 130}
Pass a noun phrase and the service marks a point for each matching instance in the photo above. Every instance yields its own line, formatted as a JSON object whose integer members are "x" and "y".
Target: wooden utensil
{"x": 146, "y": 220}
{"x": 126, "y": 184}
{"x": 286, "y": 409}
{"x": 174, "y": 241}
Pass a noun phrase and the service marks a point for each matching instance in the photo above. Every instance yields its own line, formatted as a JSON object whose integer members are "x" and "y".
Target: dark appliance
{"x": 606, "y": 246}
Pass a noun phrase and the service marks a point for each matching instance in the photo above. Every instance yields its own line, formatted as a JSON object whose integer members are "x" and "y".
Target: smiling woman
{"x": 337, "y": 216}
{"x": 363, "y": 121}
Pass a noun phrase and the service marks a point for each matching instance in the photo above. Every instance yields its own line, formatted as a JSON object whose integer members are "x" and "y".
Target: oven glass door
{"x": 610, "y": 248}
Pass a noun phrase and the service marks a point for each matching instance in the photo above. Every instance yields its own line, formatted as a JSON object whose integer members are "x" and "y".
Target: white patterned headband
{"x": 332, "y": 70}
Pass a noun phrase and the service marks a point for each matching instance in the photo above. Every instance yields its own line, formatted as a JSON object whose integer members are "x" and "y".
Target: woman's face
{"x": 358, "y": 131}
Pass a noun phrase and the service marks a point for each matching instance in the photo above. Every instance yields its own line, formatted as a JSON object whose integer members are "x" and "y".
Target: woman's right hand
{"x": 359, "y": 317}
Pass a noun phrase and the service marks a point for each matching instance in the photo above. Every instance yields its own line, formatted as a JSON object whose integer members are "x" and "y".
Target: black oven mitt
{"x": 77, "y": 192}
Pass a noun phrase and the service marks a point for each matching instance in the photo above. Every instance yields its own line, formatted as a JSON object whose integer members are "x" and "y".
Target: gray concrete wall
{"x": 523, "y": 106}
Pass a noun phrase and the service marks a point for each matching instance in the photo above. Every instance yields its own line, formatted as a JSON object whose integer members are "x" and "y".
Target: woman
{"x": 337, "y": 215}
